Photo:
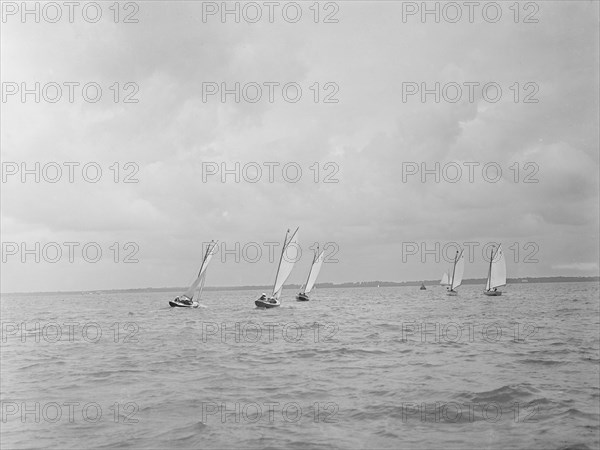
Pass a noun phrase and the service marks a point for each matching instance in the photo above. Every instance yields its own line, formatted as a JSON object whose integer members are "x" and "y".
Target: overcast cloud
{"x": 371, "y": 214}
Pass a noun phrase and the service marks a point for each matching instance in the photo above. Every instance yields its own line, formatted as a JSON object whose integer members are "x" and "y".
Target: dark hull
{"x": 302, "y": 298}
{"x": 452, "y": 293}
{"x": 182, "y": 305}
{"x": 265, "y": 304}
{"x": 492, "y": 293}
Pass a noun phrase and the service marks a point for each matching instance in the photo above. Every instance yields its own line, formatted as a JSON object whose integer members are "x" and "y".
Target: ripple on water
{"x": 360, "y": 383}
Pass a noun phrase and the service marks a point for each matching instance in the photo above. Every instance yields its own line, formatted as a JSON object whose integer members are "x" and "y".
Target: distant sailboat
{"x": 422, "y": 288}
{"x": 496, "y": 273}
{"x": 457, "y": 273}
{"x": 318, "y": 259}
{"x": 283, "y": 272}
{"x": 445, "y": 280}
{"x": 195, "y": 290}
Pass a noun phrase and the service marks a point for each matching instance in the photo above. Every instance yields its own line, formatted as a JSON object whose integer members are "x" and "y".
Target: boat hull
{"x": 302, "y": 298}
{"x": 266, "y": 303}
{"x": 452, "y": 293}
{"x": 176, "y": 304}
{"x": 493, "y": 293}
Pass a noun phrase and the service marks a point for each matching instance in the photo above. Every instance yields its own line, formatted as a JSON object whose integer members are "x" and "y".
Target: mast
{"x": 201, "y": 285}
{"x": 315, "y": 256}
{"x": 489, "y": 280}
{"x": 280, "y": 259}
{"x": 208, "y": 251}
{"x": 199, "y": 278}
{"x": 453, "y": 270}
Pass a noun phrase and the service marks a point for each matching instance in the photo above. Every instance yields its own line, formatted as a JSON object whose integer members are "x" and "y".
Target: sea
{"x": 369, "y": 368}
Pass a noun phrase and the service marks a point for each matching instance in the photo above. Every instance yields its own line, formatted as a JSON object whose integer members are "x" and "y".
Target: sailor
{"x": 263, "y": 296}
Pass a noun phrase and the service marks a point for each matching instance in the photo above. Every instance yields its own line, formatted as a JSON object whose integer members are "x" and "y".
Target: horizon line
{"x": 324, "y": 285}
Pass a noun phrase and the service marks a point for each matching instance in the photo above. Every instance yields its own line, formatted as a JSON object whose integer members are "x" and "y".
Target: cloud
{"x": 546, "y": 152}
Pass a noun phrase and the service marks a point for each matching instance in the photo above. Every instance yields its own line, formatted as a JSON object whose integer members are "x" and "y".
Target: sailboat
{"x": 457, "y": 273}
{"x": 496, "y": 273}
{"x": 422, "y": 288}
{"x": 283, "y": 272}
{"x": 318, "y": 259}
{"x": 445, "y": 280}
{"x": 186, "y": 300}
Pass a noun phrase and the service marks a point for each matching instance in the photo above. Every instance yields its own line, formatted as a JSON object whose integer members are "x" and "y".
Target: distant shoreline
{"x": 359, "y": 284}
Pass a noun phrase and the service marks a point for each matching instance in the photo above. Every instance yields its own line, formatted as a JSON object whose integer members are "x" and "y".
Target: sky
{"x": 358, "y": 150}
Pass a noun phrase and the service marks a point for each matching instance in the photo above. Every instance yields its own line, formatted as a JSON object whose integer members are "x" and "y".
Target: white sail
{"x": 289, "y": 256}
{"x": 497, "y": 276}
{"x": 459, "y": 270}
{"x": 198, "y": 292}
{"x": 314, "y": 271}
{"x": 199, "y": 279}
{"x": 445, "y": 281}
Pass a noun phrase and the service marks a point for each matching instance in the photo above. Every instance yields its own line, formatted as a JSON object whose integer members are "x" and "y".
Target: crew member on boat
{"x": 183, "y": 299}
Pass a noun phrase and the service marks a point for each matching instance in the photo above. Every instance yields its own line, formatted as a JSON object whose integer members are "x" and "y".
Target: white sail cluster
{"x": 314, "y": 271}
{"x": 497, "y": 272}
{"x": 458, "y": 272}
{"x": 445, "y": 279}
{"x": 289, "y": 255}
{"x": 199, "y": 281}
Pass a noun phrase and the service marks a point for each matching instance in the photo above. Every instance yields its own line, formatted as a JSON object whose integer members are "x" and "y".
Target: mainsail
{"x": 202, "y": 273}
{"x": 459, "y": 269}
{"x": 497, "y": 272}
{"x": 445, "y": 281}
{"x": 201, "y": 287}
{"x": 289, "y": 254}
{"x": 314, "y": 271}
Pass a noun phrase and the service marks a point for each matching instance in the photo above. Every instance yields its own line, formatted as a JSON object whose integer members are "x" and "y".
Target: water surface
{"x": 353, "y": 368}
